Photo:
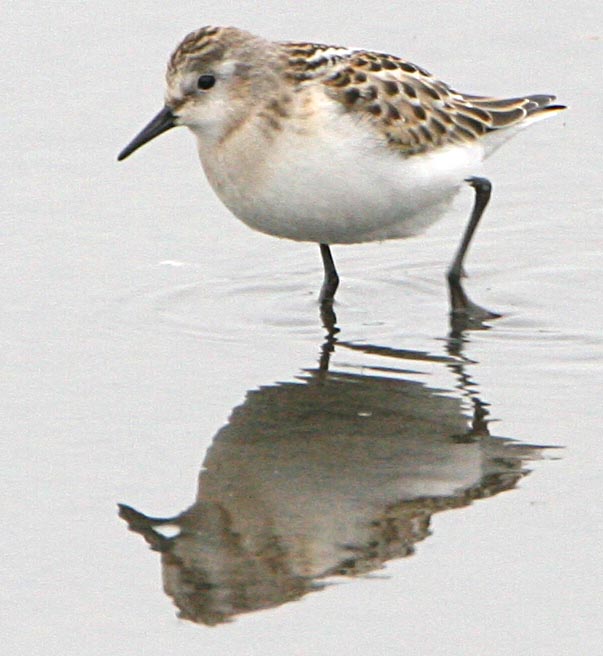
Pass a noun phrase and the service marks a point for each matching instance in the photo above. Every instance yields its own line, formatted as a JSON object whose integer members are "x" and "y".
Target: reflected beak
{"x": 162, "y": 122}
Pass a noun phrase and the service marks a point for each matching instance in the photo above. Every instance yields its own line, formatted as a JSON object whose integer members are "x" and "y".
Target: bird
{"x": 334, "y": 145}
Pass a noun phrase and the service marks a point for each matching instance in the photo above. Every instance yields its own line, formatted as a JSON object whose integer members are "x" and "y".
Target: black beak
{"x": 162, "y": 122}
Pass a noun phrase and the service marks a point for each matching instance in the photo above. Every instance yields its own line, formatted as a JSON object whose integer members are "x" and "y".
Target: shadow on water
{"x": 331, "y": 475}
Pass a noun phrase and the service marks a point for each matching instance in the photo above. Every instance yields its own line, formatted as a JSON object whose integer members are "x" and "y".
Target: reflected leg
{"x": 460, "y": 303}
{"x": 144, "y": 525}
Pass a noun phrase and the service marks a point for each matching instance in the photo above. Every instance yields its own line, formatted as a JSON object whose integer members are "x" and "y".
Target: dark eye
{"x": 206, "y": 82}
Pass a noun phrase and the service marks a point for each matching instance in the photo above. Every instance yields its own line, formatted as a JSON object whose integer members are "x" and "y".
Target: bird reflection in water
{"x": 333, "y": 474}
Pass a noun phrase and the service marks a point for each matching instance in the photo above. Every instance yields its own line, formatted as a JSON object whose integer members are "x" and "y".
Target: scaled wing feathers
{"x": 414, "y": 111}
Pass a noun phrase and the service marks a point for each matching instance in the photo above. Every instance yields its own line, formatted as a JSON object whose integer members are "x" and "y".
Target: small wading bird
{"x": 334, "y": 145}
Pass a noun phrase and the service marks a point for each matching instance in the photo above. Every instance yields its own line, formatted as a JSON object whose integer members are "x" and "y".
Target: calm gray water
{"x": 392, "y": 490}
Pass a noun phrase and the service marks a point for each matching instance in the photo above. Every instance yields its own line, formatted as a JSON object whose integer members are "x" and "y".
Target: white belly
{"x": 336, "y": 183}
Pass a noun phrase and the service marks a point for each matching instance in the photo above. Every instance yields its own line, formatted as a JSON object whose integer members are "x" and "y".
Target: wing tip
{"x": 543, "y": 103}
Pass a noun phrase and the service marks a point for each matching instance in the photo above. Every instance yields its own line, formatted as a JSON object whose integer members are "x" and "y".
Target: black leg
{"x": 331, "y": 279}
{"x": 459, "y": 301}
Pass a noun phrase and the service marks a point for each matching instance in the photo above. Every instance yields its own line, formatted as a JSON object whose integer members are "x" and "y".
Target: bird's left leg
{"x": 460, "y": 303}
{"x": 331, "y": 279}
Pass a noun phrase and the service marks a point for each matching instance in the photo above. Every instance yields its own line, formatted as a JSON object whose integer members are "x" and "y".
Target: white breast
{"x": 330, "y": 178}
